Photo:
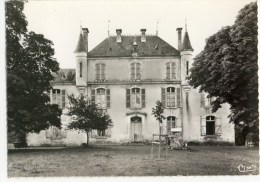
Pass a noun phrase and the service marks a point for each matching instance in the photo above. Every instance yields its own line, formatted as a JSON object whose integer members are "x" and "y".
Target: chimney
{"x": 143, "y": 38}
{"x": 179, "y": 38}
{"x": 85, "y": 37}
{"x": 118, "y": 35}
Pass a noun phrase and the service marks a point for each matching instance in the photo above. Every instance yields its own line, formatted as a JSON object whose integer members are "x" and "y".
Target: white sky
{"x": 59, "y": 21}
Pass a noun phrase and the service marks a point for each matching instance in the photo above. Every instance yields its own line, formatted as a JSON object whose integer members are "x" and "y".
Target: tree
{"x": 86, "y": 116}
{"x": 30, "y": 65}
{"x": 158, "y": 114}
{"x": 227, "y": 69}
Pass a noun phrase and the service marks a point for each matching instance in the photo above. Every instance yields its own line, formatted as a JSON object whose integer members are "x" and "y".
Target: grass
{"x": 130, "y": 161}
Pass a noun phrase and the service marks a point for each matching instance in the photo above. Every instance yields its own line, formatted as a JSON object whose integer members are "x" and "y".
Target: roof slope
{"x": 65, "y": 76}
{"x": 154, "y": 46}
{"x": 186, "y": 45}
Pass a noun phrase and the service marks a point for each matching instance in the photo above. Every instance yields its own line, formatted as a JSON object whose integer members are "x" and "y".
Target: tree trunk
{"x": 160, "y": 132}
{"x": 87, "y": 132}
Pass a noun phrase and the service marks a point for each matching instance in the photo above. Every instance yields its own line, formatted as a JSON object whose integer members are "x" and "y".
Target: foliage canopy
{"x": 86, "y": 115}
{"x": 227, "y": 68}
{"x": 30, "y": 65}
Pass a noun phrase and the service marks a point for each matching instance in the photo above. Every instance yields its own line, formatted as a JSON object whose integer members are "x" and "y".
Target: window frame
{"x": 60, "y": 98}
{"x": 171, "y": 73}
{"x": 133, "y": 97}
{"x": 100, "y": 71}
{"x": 172, "y": 120}
{"x": 135, "y": 71}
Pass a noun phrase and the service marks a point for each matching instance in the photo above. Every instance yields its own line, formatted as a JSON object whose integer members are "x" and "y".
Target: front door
{"x": 136, "y": 129}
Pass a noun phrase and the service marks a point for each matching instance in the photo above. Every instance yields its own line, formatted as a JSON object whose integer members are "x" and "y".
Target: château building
{"x": 125, "y": 76}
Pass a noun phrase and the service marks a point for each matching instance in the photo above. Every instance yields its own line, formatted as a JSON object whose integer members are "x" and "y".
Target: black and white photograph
{"x": 117, "y": 88}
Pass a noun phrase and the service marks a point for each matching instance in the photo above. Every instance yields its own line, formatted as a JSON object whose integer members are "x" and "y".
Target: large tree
{"x": 227, "y": 68}
{"x": 29, "y": 65}
{"x": 86, "y": 116}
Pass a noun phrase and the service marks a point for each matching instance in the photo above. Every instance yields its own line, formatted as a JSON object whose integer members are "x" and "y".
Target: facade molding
{"x": 135, "y": 82}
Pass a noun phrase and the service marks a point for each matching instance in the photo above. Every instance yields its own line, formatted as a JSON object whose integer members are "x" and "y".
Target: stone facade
{"x": 126, "y": 75}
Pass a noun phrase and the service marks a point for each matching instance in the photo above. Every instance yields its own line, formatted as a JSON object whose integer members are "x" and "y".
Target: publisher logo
{"x": 244, "y": 169}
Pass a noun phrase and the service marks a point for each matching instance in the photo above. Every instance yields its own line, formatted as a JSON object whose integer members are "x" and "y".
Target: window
{"x": 187, "y": 68}
{"x": 58, "y": 97}
{"x": 55, "y": 133}
{"x": 206, "y": 101}
{"x": 101, "y": 133}
{"x": 135, "y": 71}
{"x": 171, "y": 123}
{"x": 100, "y": 71}
{"x": 101, "y": 97}
{"x": 80, "y": 69}
{"x": 170, "y": 70}
{"x": 210, "y": 125}
{"x": 171, "y": 97}
{"x": 135, "y": 98}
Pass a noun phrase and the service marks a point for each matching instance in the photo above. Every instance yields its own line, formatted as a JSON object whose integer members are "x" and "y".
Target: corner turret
{"x": 186, "y": 56}
{"x": 81, "y": 61}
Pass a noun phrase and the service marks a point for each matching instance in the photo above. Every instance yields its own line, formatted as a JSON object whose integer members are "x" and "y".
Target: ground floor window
{"x": 55, "y": 133}
{"x": 210, "y": 125}
{"x": 101, "y": 133}
{"x": 171, "y": 123}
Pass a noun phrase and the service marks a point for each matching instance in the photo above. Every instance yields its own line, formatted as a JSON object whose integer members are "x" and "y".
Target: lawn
{"x": 130, "y": 161}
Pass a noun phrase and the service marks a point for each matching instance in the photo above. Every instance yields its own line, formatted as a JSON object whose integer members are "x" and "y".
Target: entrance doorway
{"x": 136, "y": 129}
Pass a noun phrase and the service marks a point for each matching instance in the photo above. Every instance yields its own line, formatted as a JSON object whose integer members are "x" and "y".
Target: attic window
{"x": 156, "y": 47}
{"x": 110, "y": 48}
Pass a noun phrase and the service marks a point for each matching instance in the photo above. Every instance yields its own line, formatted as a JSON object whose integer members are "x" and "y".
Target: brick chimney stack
{"x": 143, "y": 38}
{"x": 118, "y": 35}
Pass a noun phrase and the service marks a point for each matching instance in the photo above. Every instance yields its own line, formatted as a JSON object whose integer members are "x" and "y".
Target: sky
{"x": 60, "y": 20}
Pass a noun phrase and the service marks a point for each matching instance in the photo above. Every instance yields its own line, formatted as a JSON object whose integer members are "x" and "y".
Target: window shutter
{"x": 202, "y": 126}
{"x": 93, "y": 96}
{"x": 48, "y": 134}
{"x": 103, "y": 67}
{"x": 218, "y": 126}
{"x": 202, "y": 100}
{"x": 167, "y": 71}
{"x": 173, "y": 71}
{"x": 178, "y": 97}
{"x": 138, "y": 71}
{"x": 97, "y": 71}
{"x": 63, "y": 99}
{"x": 132, "y": 71}
{"x": 163, "y": 100}
{"x": 108, "y": 98}
{"x": 143, "y": 98}
{"x": 127, "y": 98}
{"x": 63, "y": 133}
{"x": 108, "y": 132}
{"x": 93, "y": 133}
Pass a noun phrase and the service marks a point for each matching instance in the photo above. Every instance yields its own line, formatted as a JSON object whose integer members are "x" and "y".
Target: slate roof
{"x": 186, "y": 45}
{"x": 154, "y": 46}
{"x": 65, "y": 76}
{"x": 81, "y": 45}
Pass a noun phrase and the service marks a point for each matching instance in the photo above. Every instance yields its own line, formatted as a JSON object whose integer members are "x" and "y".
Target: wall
{"x": 118, "y": 69}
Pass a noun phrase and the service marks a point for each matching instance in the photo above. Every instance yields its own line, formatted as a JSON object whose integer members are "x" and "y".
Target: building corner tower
{"x": 81, "y": 61}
